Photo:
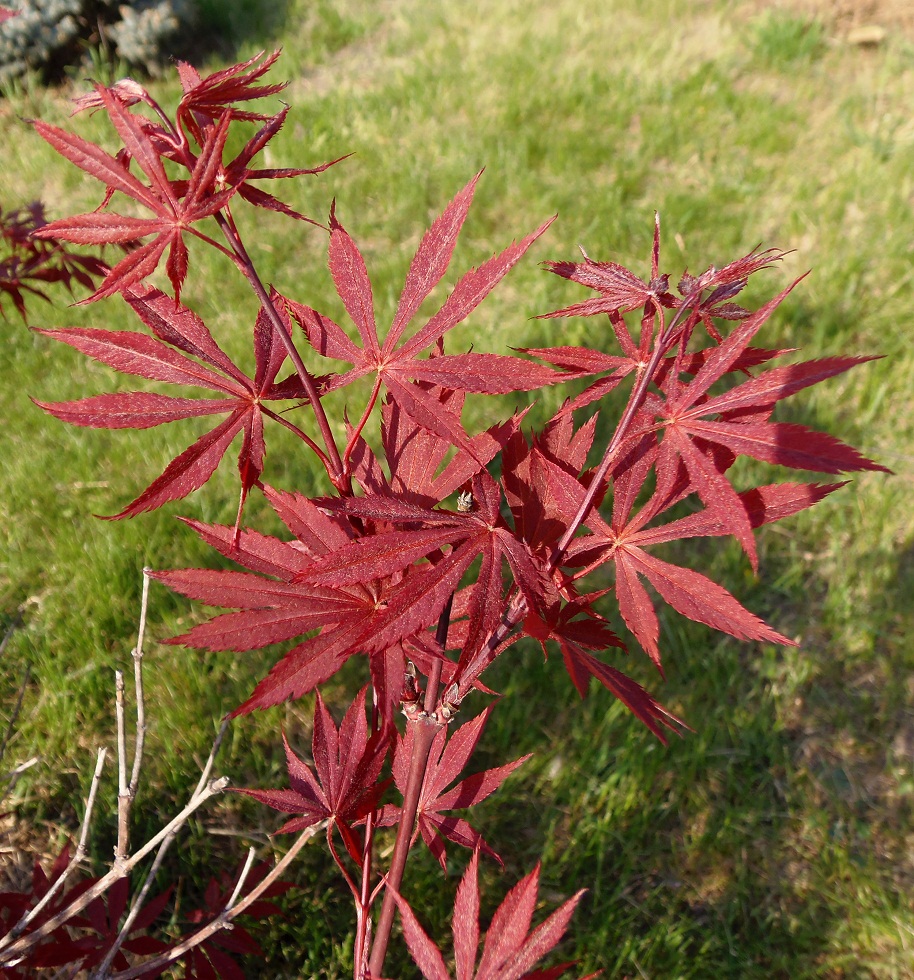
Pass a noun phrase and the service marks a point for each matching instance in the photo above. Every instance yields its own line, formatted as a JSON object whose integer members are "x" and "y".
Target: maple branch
{"x": 138, "y": 687}
{"x": 123, "y": 795}
{"x": 11, "y": 951}
{"x": 12, "y": 777}
{"x": 224, "y": 920}
{"x": 127, "y": 792}
{"x": 664, "y": 341}
{"x": 213, "y": 752}
{"x": 7, "y": 942}
{"x": 243, "y": 877}
{"x": 434, "y": 675}
{"x": 425, "y": 727}
{"x": 335, "y": 470}
{"x": 457, "y": 691}
{"x": 136, "y": 906}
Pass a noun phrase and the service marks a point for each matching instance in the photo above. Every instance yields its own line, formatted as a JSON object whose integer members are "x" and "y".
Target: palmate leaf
{"x": 538, "y": 519}
{"x": 510, "y": 949}
{"x": 480, "y": 533}
{"x": 397, "y": 363}
{"x": 447, "y": 760}
{"x": 28, "y": 264}
{"x": 206, "y": 99}
{"x": 343, "y": 785}
{"x": 374, "y": 617}
{"x": 733, "y": 427}
{"x": 685, "y": 406}
{"x": 204, "y": 116}
{"x": 173, "y": 214}
{"x": 211, "y": 958}
{"x": 690, "y": 593}
{"x": 620, "y": 291}
{"x": 178, "y": 333}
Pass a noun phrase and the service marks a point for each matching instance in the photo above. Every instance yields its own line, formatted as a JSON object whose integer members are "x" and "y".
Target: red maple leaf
{"x": 690, "y": 593}
{"x": 343, "y": 785}
{"x": 395, "y": 362}
{"x": 576, "y": 636}
{"x": 738, "y": 424}
{"x": 447, "y": 760}
{"x": 174, "y": 212}
{"x": 480, "y": 532}
{"x": 211, "y": 958}
{"x": 204, "y": 116}
{"x": 510, "y": 948}
{"x": 180, "y": 332}
{"x": 286, "y": 605}
{"x": 27, "y": 263}
{"x": 205, "y": 99}
{"x": 620, "y": 289}
{"x": 100, "y": 926}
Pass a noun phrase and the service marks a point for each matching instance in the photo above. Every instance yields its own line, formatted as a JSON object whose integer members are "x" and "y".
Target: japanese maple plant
{"x": 433, "y": 549}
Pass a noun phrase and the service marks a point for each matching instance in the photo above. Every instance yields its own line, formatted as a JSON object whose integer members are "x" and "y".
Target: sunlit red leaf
{"x": 447, "y": 760}
{"x": 510, "y": 948}
{"x": 343, "y": 784}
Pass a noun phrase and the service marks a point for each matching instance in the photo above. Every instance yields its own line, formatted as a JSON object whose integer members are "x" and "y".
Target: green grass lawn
{"x": 776, "y": 839}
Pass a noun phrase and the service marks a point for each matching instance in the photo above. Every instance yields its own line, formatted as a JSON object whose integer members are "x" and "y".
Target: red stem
{"x": 424, "y": 730}
{"x": 363, "y": 920}
{"x": 357, "y": 431}
{"x": 339, "y": 863}
{"x": 425, "y": 727}
{"x": 335, "y": 469}
{"x": 306, "y": 439}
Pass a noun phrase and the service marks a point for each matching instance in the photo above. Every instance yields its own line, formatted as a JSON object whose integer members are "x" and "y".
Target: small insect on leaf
{"x": 465, "y": 502}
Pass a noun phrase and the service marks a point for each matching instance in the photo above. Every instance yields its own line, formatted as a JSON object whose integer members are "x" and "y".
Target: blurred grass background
{"x": 775, "y": 840}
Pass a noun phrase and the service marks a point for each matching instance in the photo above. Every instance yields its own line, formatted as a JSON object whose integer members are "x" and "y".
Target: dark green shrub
{"x": 49, "y": 36}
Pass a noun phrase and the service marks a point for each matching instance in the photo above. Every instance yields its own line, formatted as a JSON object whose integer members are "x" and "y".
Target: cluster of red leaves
{"x": 392, "y": 566}
{"x": 84, "y": 941}
{"x": 374, "y": 572}
{"x": 28, "y": 265}
{"x": 510, "y": 948}
{"x": 213, "y": 958}
{"x": 194, "y": 143}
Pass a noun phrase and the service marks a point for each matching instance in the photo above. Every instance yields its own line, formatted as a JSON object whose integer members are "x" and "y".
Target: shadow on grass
{"x": 769, "y": 842}
{"x": 225, "y": 27}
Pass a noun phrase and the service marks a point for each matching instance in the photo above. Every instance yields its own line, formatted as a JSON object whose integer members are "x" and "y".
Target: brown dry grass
{"x": 843, "y": 17}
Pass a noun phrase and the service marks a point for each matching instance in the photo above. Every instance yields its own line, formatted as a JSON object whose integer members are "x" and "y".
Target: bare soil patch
{"x": 845, "y": 17}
